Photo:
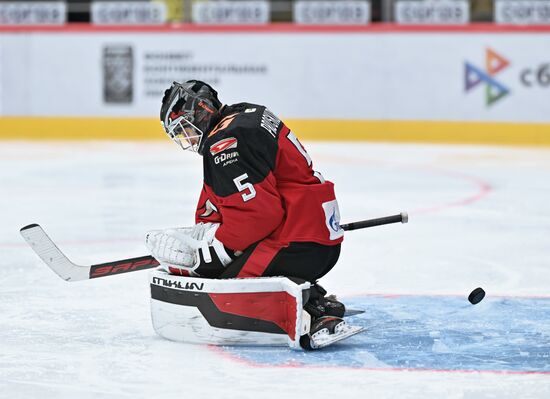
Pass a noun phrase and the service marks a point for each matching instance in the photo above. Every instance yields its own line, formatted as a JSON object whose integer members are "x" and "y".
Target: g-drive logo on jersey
{"x": 474, "y": 76}
{"x": 222, "y": 145}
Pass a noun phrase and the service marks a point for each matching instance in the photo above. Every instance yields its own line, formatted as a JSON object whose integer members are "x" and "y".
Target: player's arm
{"x": 207, "y": 209}
{"x": 239, "y": 205}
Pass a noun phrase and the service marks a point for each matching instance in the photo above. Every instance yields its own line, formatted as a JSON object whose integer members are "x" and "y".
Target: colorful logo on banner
{"x": 474, "y": 76}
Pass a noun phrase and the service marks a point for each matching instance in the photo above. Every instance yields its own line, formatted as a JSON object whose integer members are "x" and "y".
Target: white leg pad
{"x": 249, "y": 311}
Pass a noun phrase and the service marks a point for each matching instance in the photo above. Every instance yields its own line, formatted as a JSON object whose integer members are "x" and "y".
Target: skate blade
{"x": 353, "y": 312}
{"x": 329, "y": 339}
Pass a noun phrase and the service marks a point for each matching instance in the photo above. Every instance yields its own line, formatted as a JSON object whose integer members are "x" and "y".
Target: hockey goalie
{"x": 267, "y": 229}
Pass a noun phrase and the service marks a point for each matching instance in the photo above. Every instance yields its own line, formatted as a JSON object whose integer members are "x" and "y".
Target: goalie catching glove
{"x": 189, "y": 251}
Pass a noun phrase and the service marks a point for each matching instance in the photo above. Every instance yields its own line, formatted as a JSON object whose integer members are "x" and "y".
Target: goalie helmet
{"x": 189, "y": 111}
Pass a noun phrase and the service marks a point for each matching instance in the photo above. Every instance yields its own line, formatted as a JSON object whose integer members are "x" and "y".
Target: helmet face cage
{"x": 187, "y": 115}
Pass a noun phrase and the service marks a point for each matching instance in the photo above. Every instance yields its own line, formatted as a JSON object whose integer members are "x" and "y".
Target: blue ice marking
{"x": 432, "y": 332}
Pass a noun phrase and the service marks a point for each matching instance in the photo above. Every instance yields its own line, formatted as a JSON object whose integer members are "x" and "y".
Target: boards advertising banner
{"x": 362, "y": 81}
{"x": 33, "y": 13}
{"x": 444, "y": 12}
{"x": 330, "y": 12}
{"x": 231, "y": 12}
{"x": 523, "y": 12}
{"x": 128, "y": 13}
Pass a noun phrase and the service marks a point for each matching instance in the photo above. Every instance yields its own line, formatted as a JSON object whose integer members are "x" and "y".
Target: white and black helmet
{"x": 190, "y": 110}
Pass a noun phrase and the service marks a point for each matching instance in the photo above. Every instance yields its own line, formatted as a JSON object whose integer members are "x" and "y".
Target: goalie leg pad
{"x": 259, "y": 311}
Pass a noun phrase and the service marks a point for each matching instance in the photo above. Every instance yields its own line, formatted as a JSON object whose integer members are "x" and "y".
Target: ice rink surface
{"x": 479, "y": 216}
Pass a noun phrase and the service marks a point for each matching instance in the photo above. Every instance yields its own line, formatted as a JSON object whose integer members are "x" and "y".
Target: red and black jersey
{"x": 259, "y": 183}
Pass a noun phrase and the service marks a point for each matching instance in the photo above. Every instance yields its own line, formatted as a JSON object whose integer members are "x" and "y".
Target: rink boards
{"x": 477, "y": 84}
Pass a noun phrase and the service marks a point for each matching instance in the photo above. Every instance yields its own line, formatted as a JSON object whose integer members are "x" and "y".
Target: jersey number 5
{"x": 247, "y": 196}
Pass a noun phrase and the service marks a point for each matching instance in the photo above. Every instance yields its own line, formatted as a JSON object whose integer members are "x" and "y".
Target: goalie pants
{"x": 304, "y": 260}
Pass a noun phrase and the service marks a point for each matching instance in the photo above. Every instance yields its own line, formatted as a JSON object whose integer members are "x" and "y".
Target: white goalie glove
{"x": 180, "y": 248}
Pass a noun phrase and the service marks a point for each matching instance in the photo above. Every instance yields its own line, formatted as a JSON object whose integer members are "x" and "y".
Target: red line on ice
{"x": 483, "y": 189}
{"x": 292, "y": 365}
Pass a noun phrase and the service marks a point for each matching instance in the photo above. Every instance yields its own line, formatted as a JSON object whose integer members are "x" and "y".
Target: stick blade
{"x": 45, "y": 248}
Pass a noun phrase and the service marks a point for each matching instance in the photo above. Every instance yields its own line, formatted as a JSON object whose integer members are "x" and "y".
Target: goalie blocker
{"x": 260, "y": 311}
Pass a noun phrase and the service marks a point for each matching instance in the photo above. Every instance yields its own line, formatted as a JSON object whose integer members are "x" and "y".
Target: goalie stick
{"x": 46, "y": 249}
{"x": 403, "y": 217}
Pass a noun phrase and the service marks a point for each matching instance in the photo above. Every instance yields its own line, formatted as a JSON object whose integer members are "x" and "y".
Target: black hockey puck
{"x": 476, "y": 296}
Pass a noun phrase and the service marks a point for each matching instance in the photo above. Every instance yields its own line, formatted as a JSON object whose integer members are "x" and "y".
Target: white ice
{"x": 479, "y": 216}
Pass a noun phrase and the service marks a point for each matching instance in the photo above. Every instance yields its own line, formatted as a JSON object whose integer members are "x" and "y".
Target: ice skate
{"x": 326, "y": 331}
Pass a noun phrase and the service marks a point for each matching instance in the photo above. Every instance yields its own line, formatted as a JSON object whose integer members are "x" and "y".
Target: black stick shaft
{"x": 401, "y": 218}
